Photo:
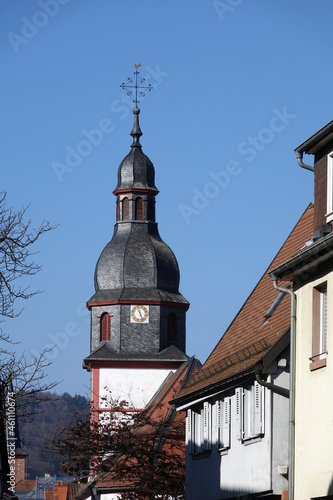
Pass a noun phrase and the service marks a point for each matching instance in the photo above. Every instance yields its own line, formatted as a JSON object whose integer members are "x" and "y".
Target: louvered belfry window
{"x": 138, "y": 208}
{"x": 151, "y": 209}
{"x": 105, "y": 327}
{"x": 125, "y": 209}
{"x": 172, "y": 327}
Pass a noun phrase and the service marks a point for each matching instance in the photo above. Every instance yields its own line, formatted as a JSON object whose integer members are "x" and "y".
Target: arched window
{"x": 125, "y": 207}
{"x": 118, "y": 209}
{"x": 138, "y": 208}
{"x": 151, "y": 209}
{"x": 172, "y": 334}
{"x": 105, "y": 327}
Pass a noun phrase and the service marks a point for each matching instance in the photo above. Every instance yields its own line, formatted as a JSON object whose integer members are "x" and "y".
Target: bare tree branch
{"x": 145, "y": 450}
{"x": 20, "y": 378}
{"x": 16, "y": 238}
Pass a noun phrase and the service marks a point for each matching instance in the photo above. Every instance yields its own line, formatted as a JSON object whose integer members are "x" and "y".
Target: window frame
{"x": 105, "y": 327}
{"x": 139, "y": 208}
{"x": 125, "y": 209}
{"x": 319, "y": 326}
{"x": 172, "y": 327}
{"x": 250, "y": 413}
{"x": 199, "y": 429}
{"x": 223, "y": 423}
{"x": 329, "y": 188}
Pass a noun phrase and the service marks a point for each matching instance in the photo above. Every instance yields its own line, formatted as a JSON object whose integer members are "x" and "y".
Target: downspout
{"x": 299, "y": 157}
{"x": 274, "y": 388}
{"x": 291, "y": 472}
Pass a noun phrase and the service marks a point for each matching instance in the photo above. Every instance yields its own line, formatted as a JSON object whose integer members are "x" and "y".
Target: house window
{"x": 249, "y": 412}
{"x": 329, "y": 215}
{"x": 138, "y": 208}
{"x": 125, "y": 209}
{"x": 172, "y": 328}
{"x": 199, "y": 430}
{"x": 222, "y": 409}
{"x": 105, "y": 327}
{"x": 319, "y": 327}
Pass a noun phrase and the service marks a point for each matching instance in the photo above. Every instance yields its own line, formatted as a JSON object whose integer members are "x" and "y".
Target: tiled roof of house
{"x": 25, "y": 485}
{"x": 251, "y": 334}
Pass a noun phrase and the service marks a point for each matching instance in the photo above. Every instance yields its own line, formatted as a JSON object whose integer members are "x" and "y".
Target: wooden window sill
{"x": 319, "y": 363}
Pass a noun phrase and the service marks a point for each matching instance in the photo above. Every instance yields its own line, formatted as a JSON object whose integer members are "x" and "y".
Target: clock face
{"x": 139, "y": 314}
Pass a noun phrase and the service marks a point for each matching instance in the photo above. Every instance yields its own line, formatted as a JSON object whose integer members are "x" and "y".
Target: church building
{"x": 137, "y": 312}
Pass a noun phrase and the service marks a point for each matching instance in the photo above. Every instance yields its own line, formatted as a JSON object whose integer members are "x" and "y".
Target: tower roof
{"x": 136, "y": 264}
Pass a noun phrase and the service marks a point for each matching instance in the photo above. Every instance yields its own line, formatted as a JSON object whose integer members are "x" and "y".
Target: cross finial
{"x": 143, "y": 88}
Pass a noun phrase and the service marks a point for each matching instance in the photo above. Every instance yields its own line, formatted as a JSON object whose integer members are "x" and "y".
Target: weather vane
{"x": 143, "y": 88}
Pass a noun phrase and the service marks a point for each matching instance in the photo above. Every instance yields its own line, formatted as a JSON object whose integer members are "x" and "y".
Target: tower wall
{"x": 137, "y": 386}
{"x": 128, "y": 337}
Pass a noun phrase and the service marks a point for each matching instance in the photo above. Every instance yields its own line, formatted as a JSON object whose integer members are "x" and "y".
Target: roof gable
{"x": 251, "y": 334}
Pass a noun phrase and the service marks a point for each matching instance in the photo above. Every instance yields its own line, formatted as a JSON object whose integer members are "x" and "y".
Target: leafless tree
{"x": 21, "y": 379}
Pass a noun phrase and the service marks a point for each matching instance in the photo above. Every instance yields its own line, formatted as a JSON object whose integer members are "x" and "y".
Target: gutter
{"x": 314, "y": 144}
{"x": 291, "y": 475}
{"x": 309, "y": 257}
{"x": 208, "y": 391}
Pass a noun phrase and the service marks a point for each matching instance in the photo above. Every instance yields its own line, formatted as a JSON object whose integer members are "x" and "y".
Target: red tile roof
{"x": 26, "y": 485}
{"x": 49, "y": 495}
{"x": 60, "y": 491}
{"x": 250, "y": 335}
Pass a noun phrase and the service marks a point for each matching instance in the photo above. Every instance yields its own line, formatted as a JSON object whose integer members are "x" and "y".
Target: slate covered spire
{"x": 136, "y": 131}
{"x": 136, "y": 264}
{"x": 136, "y": 171}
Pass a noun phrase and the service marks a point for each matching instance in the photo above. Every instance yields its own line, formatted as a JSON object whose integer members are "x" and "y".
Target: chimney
{"x": 321, "y": 146}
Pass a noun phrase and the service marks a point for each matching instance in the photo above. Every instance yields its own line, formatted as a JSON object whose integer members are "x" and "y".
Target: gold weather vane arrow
{"x": 130, "y": 85}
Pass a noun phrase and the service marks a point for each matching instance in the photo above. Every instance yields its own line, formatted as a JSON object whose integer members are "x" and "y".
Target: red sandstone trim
{"x": 135, "y": 191}
{"x": 94, "y": 364}
{"x": 95, "y": 392}
{"x": 145, "y": 302}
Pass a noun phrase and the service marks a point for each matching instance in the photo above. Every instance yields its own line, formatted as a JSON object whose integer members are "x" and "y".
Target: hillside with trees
{"x": 55, "y": 412}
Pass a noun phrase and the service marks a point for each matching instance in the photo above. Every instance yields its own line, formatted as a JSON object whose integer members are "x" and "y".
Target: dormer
{"x": 321, "y": 146}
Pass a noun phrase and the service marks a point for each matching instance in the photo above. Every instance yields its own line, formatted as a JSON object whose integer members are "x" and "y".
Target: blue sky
{"x": 238, "y": 85}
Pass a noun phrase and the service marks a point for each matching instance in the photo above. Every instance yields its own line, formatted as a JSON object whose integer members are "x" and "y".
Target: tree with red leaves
{"x": 143, "y": 453}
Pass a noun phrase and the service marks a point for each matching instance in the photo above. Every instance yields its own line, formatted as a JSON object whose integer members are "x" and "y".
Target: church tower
{"x": 137, "y": 312}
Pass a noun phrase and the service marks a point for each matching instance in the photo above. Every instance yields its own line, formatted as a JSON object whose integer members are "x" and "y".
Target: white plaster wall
{"x": 109, "y": 496}
{"x": 314, "y": 402}
{"x": 244, "y": 469}
{"x": 134, "y": 385}
{"x": 280, "y": 432}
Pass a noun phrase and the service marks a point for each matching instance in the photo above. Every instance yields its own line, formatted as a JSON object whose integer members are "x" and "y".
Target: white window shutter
{"x": 257, "y": 409}
{"x": 218, "y": 406}
{"x": 226, "y": 423}
{"x": 207, "y": 426}
{"x": 262, "y": 410}
{"x": 189, "y": 441}
{"x": 198, "y": 431}
{"x": 239, "y": 413}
